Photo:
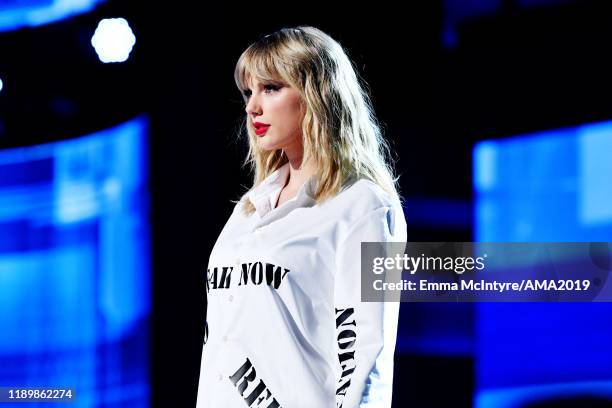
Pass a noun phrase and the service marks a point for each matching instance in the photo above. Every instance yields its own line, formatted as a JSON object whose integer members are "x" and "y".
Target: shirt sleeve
{"x": 365, "y": 331}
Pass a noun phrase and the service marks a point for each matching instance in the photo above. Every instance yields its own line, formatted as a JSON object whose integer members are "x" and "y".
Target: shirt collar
{"x": 265, "y": 195}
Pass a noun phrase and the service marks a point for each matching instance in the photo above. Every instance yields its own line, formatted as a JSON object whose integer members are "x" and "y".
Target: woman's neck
{"x": 298, "y": 172}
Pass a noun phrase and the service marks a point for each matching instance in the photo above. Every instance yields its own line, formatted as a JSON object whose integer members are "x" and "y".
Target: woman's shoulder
{"x": 362, "y": 196}
{"x": 368, "y": 193}
{"x": 363, "y": 204}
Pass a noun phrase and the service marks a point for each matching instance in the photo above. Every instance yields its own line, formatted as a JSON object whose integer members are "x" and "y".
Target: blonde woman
{"x": 285, "y": 324}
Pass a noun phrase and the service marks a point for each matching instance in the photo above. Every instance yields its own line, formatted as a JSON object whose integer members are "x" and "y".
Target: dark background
{"x": 441, "y": 80}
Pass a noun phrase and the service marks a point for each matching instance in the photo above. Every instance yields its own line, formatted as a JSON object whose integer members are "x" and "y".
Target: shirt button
{"x": 231, "y": 298}
{"x": 225, "y": 339}
{"x": 220, "y": 377}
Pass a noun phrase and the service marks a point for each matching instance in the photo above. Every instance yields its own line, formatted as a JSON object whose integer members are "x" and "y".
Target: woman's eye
{"x": 269, "y": 88}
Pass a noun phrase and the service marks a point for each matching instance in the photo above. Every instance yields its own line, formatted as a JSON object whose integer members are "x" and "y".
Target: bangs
{"x": 265, "y": 63}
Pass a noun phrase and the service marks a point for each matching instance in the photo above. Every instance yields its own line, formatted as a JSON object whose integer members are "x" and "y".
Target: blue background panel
{"x": 550, "y": 186}
{"x": 75, "y": 267}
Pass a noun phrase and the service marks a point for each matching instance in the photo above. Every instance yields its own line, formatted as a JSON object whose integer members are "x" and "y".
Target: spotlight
{"x": 113, "y": 40}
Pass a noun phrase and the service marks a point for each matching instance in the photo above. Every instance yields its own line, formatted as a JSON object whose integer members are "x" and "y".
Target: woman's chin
{"x": 265, "y": 145}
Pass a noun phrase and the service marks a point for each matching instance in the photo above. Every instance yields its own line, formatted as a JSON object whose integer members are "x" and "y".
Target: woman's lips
{"x": 260, "y": 130}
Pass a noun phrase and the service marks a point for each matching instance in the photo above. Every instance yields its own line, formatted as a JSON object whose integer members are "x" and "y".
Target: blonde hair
{"x": 340, "y": 131}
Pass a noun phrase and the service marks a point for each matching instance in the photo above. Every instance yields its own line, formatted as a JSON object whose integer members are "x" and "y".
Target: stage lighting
{"x": 113, "y": 40}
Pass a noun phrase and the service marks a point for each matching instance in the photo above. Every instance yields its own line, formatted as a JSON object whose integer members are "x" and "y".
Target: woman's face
{"x": 275, "y": 113}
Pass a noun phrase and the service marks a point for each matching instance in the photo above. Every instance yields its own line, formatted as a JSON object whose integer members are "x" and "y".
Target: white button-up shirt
{"x": 285, "y": 323}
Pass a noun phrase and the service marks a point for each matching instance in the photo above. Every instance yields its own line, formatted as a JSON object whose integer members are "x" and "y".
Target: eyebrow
{"x": 266, "y": 83}
{"x": 270, "y": 82}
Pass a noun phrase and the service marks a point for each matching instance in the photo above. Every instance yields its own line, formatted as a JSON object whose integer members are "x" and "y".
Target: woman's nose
{"x": 253, "y": 107}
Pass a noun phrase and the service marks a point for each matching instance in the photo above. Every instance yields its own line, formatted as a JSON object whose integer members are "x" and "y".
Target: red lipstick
{"x": 260, "y": 128}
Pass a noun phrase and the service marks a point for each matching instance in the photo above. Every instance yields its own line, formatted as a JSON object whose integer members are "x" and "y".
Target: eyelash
{"x": 247, "y": 92}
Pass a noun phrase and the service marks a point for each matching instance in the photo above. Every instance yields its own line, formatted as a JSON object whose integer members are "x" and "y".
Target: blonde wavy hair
{"x": 340, "y": 131}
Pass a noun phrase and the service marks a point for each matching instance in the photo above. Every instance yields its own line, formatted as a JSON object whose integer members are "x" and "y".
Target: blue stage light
{"x": 16, "y": 14}
{"x": 75, "y": 271}
{"x": 548, "y": 186}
